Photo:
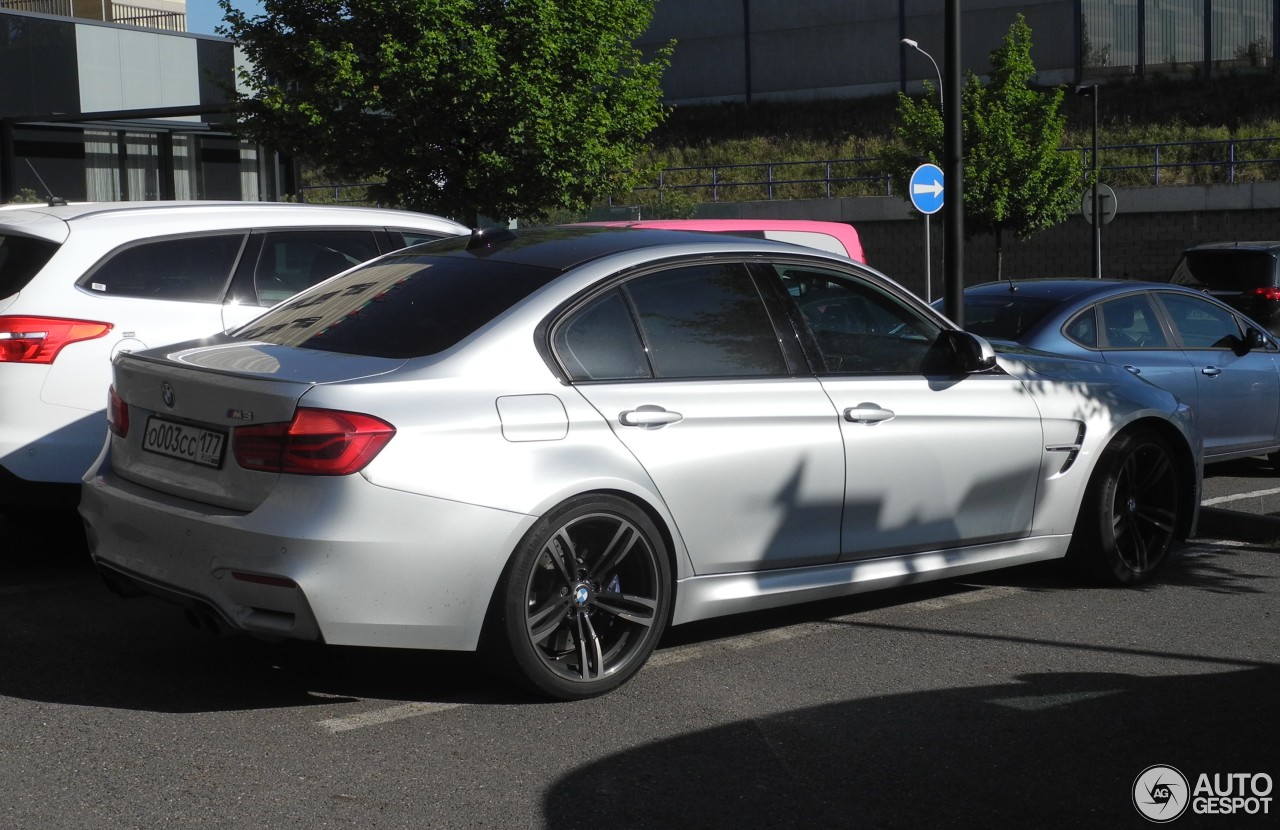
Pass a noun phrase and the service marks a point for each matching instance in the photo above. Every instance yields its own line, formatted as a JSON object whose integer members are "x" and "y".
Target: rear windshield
{"x": 401, "y": 306}
{"x": 1004, "y": 316}
{"x": 1226, "y": 270}
{"x": 21, "y": 258}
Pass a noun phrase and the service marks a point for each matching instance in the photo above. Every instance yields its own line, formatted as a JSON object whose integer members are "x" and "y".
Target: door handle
{"x": 867, "y": 413}
{"x": 648, "y": 416}
{"x": 1134, "y": 369}
{"x": 1211, "y": 371}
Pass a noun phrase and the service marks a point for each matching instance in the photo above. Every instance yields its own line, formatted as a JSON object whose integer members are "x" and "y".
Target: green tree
{"x": 462, "y": 107}
{"x": 1015, "y": 176}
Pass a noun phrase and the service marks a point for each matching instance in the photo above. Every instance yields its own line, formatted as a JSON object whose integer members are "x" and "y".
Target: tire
{"x": 1131, "y": 511}
{"x": 1274, "y": 460}
{"x": 583, "y": 601}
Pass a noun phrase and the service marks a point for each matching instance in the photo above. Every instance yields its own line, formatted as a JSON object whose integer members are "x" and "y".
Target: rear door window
{"x": 706, "y": 321}
{"x": 1132, "y": 323}
{"x": 697, "y": 321}
{"x": 290, "y": 261}
{"x": 189, "y": 269}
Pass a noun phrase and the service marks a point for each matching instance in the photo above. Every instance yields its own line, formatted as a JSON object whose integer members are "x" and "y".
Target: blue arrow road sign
{"x": 925, "y": 188}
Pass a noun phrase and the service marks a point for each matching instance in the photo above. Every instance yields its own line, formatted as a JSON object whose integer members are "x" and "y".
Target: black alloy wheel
{"x": 585, "y": 599}
{"x": 1131, "y": 511}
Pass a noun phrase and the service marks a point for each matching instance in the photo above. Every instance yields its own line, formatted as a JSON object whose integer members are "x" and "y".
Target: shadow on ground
{"x": 1053, "y": 750}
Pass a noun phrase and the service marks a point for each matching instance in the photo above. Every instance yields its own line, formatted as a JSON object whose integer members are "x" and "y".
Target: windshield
{"x": 400, "y": 306}
{"x": 21, "y": 258}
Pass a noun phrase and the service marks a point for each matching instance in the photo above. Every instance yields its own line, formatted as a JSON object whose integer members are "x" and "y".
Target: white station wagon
{"x": 82, "y": 283}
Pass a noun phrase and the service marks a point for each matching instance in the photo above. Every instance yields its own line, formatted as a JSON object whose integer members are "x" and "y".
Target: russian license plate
{"x": 184, "y": 442}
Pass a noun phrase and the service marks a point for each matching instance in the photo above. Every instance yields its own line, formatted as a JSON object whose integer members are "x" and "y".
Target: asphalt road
{"x": 1024, "y": 698}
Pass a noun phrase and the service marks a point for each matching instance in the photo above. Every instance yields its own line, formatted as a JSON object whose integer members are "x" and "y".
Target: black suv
{"x": 1244, "y": 275}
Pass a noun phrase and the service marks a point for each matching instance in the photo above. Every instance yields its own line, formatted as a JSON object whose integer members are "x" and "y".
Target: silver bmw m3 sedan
{"x": 549, "y": 446}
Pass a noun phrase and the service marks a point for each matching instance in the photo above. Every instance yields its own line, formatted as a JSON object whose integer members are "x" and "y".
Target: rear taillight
{"x": 1267, "y": 292}
{"x": 317, "y": 442}
{"x": 39, "y": 339}
{"x": 117, "y": 414}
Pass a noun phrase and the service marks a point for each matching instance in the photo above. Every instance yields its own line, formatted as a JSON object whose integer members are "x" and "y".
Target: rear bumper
{"x": 282, "y": 613}
{"x": 339, "y": 560}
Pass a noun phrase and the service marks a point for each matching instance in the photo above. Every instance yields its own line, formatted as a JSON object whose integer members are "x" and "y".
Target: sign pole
{"x": 928, "y": 264}
{"x": 927, "y": 192}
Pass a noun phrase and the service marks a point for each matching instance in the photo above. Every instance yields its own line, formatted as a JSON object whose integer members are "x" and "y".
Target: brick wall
{"x": 1138, "y": 246}
{"x": 1144, "y": 240}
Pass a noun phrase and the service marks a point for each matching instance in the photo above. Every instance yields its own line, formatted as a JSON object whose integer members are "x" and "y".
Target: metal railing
{"x": 57, "y": 8}
{"x": 1215, "y": 161}
{"x": 123, "y": 13}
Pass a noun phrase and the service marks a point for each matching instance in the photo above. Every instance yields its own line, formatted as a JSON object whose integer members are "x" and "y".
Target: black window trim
{"x": 544, "y": 334}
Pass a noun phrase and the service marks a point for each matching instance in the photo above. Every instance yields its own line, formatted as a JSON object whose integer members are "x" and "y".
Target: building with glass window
{"x": 747, "y": 50}
{"x": 112, "y": 101}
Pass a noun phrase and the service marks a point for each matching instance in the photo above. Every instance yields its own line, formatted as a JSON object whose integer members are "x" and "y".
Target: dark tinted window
{"x": 1201, "y": 324}
{"x": 1226, "y": 270}
{"x": 706, "y": 321}
{"x": 1004, "y": 316}
{"x": 402, "y": 306}
{"x": 193, "y": 269}
{"x": 859, "y": 328}
{"x": 293, "y": 260}
{"x": 1131, "y": 323}
{"x": 600, "y": 342}
{"x": 21, "y": 258}
{"x": 1083, "y": 328}
{"x": 406, "y": 237}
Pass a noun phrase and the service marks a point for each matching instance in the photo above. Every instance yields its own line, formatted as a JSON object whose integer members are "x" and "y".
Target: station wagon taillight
{"x": 318, "y": 442}
{"x": 1267, "y": 292}
{"x": 39, "y": 339}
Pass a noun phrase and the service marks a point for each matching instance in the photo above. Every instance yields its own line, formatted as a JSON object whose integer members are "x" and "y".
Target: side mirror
{"x": 959, "y": 353}
{"x": 1254, "y": 339}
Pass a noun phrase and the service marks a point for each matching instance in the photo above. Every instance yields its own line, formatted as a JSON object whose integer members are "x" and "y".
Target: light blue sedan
{"x": 1225, "y": 366}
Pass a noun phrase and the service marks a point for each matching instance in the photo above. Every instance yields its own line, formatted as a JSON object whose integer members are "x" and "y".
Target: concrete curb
{"x": 1239, "y": 527}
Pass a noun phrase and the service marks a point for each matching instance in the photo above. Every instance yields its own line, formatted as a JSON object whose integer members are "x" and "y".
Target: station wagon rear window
{"x": 21, "y": 258}
{"x": 399, "y": 307}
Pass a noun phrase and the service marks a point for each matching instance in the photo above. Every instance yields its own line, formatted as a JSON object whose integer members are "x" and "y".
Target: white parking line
{"x": 380, "y": 716}
{"x": 683, "y": 654}
{"x": 1256, "y": 494}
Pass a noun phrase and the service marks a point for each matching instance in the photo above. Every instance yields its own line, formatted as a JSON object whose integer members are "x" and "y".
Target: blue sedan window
{"x": 1201, "y": 324}
{"x": 1132, "y": 323}
{"x": 1083, "y": 328}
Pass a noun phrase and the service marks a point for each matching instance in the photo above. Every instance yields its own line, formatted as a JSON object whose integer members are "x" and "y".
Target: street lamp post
{"x": 906, "y": 41}
{"x": 1096, "y": 217}
{"x": 928, "y": 246}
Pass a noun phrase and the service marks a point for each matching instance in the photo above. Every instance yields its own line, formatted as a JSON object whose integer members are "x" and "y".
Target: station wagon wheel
{"x": 584, "y": 600}
{"x": 1130, "y": 514}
